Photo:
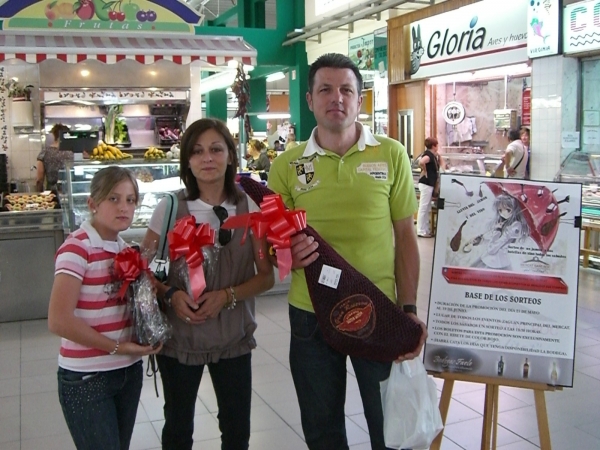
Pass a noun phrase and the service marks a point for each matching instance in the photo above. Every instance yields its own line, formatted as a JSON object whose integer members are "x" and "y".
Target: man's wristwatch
{"x": 409, "y": 309}
{"x": 169, "y": 294}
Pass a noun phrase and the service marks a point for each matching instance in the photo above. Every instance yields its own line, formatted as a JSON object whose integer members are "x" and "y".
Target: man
{"x": 430, "y": 167}
{"x": 358, "y": 193}
{"x": 515, "y": 157}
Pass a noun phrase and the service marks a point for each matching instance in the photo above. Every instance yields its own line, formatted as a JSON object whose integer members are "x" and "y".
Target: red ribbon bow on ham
{"x": 129, "y": 265}
{"x": 277, "y": 223}
{"x": 186, "y": 239}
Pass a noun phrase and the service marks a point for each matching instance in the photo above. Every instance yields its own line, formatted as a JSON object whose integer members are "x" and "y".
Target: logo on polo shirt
{"x": 377, "y": 170}
{"x": 305, "y": 172}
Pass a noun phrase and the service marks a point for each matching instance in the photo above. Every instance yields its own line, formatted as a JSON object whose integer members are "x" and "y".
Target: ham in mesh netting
{"x": 356, "y": 318}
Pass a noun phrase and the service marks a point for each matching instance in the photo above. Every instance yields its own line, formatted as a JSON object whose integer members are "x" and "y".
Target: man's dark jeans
{"x": 232, "y": 381}
{"x": 319, "y": 374}
{"x": 100, "y": 407}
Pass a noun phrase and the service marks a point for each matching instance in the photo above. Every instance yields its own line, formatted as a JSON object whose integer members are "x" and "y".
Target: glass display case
{"x": 584, "y": 168}
{"x": 154, "y": 177}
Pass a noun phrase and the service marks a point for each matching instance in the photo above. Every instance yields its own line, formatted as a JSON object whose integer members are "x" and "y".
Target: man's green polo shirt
{"x": 350, "y": 201}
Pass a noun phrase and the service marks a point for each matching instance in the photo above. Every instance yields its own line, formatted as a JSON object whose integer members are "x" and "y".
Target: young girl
{"x": 100, "y": 369}
{"x": 508, "y": 226}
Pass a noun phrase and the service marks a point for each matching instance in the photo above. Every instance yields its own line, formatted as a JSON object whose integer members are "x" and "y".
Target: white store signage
{"x": 543, "y": 24}
{"x": 582, "y": 27}
{"x": 109, "y": 95}
{"x": 324, "y": 6}
{"x": 485, "y": 34}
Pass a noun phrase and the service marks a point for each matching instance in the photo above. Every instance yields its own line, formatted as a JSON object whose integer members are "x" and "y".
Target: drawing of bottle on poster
{"x": 504, "y": 289}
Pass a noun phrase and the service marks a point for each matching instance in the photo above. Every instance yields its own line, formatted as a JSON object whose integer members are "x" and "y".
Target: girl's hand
{"x": 211, "y": 303}
{"x": 131, "y": 348}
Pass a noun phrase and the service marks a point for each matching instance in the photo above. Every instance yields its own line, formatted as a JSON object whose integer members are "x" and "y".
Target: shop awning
{"x": 74, "y": 48}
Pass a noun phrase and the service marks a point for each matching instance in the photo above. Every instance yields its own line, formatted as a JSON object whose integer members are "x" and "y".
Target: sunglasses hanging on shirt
{"x": 224, "y": 235}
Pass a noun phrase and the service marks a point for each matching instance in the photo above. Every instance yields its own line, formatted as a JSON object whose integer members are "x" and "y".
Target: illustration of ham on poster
{"x": 503, "y": 299}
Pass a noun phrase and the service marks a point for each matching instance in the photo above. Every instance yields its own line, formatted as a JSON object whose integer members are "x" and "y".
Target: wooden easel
{"x": 489, "y": 430}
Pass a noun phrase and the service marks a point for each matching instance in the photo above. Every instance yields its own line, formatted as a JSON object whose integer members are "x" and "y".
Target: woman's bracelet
{"x": 233, "y": 299}
{"x": 114, "y": 350}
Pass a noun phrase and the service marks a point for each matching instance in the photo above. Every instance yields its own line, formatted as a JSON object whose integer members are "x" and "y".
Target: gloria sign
{"x": 481, "y": 35}
{"x": 543, "y": 23}
{"x": 116, "y": 15}
{"x": 582, "y": 27}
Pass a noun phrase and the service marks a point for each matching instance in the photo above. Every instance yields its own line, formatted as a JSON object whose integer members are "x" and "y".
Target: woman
{"x": 291, "y": 140}
{"x": 430, "y": 167}
{"x": 100, "y": 369}
{"x": 51, "y": 160}
{"x": 217, "y": 328}
{"x": 258, "y": 156}
{"x": 526, "y": 140}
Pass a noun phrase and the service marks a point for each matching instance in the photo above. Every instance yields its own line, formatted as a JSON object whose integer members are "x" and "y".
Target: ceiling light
{"x": 267, "y": 116}
{"x": 220, "y": 80}
{"x": 84, "y": 73}
{"x": 275, "y": 76}
{"x": 153, "y": 73}
{"x": 234, "y": 63}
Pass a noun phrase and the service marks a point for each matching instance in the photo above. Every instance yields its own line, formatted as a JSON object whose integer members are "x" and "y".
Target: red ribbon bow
{"x": 186, "y": 239}
{"x": 277, "y": 223}
{"x": 129, "y": 265}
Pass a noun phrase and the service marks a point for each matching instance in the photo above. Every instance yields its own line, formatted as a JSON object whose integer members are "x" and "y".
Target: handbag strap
{"x": 168, "y": 222}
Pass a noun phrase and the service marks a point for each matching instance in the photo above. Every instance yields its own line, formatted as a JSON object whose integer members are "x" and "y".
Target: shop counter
{"x": 28, "y": 242}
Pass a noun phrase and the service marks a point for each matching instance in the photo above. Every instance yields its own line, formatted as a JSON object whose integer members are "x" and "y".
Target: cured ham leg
{"x": 356, "y": 318}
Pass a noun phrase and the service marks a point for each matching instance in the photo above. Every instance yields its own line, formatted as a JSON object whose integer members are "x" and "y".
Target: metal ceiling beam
{"x": 336, "y": 21}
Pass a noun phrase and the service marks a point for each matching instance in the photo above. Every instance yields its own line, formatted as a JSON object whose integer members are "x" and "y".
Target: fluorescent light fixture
{"x": 267, "y": 116}
{"x": 82, "y": 127}
{"x": 485, "y": 74}
{"x": 220, "y": 80}
{"x": 153, "y": 89}
{"x": 275, "y": 76}
{"x": 298, "y": 30}
{"x": 234, "y": 63}
{"x": 153, "y": 73}
{"x": 85, "y": 73}
{"x": 363, "y": 116}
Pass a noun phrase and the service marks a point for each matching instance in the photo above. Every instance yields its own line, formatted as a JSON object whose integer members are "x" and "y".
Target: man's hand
{"x": 417, "y": 351}
{"x": 303, "y": 250}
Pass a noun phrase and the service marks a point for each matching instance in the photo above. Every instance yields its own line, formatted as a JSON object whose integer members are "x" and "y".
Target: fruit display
{"x": 154, "y": 153}
{"x": 29, "y": 202}
{"x": 105, "y": 152}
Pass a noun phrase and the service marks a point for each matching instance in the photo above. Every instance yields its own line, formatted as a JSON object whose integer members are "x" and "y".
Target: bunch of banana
{"x": 154, "y": 153}
{"x": 108, "y": 152}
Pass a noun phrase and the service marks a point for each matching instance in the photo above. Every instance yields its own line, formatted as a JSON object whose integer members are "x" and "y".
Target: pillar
{"x": 258, "y": 99}
{"x": 216, "y": 104}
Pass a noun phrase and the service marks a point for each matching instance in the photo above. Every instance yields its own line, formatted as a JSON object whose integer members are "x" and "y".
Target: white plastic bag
{"x": 411, "y": 417}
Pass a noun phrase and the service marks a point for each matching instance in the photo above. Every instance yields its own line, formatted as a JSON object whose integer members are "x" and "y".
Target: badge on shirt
{"x": 377, "y": 170}
{"x": 305, "y": 172}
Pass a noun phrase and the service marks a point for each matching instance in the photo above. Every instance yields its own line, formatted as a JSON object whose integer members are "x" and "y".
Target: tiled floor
{"x": 30, "y": 416}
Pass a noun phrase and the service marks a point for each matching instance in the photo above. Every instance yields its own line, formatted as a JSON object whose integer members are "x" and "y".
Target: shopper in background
{"x": 100, "y": 368}
{"x": 217, "y": 329}
{"x": 526, "y": 140}
{"x": 430, "y": 174}
{"x": 258, "y": 159}
{"x": 358, "y": 194}
{"x": 51, "y": 160}
{"x": 291, "y": 140}
{"x": 515, "y": 156}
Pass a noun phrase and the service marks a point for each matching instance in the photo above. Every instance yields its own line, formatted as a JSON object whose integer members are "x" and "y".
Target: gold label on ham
{"x": 354, "y": 316}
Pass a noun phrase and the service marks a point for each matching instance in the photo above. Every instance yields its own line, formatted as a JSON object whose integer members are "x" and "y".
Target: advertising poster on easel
{"x": 503, "y": 299}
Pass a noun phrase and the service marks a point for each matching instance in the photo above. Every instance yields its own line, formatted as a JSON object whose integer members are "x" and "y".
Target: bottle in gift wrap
{"x": 526, "y": 368}
{"x": 500, "y": 367}
{"x": 554, "y": 374}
